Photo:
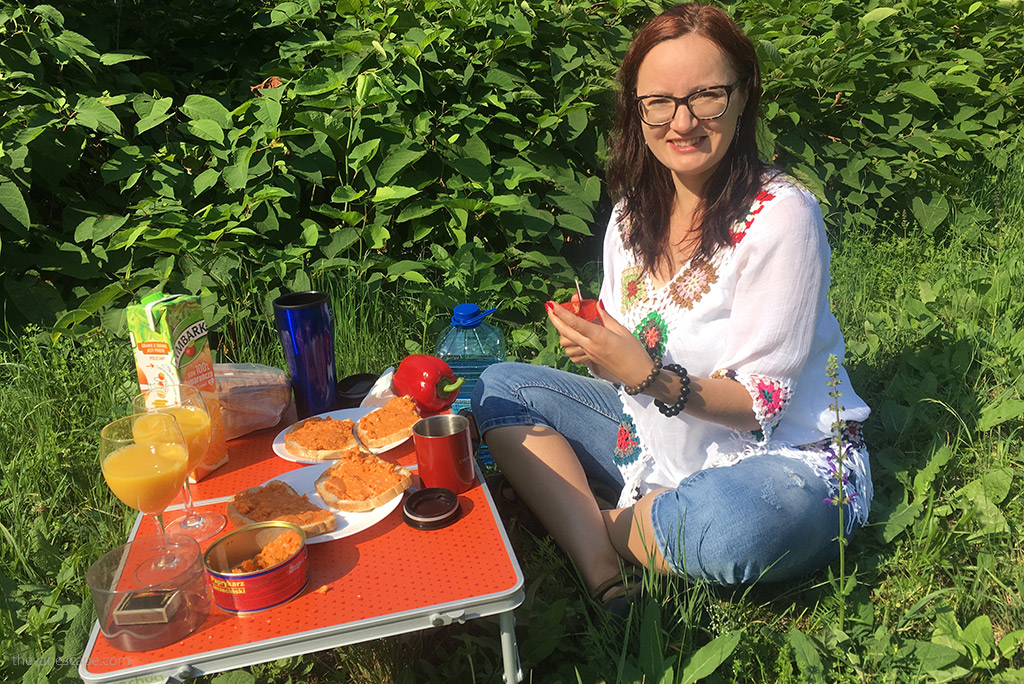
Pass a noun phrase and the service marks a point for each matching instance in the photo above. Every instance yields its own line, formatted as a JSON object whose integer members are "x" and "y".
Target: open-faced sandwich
{"x": 320, "y": 439}
{"x": 389, "y": 424}
{"x": 362, "y": 483}
{"x": 276, "y": 500}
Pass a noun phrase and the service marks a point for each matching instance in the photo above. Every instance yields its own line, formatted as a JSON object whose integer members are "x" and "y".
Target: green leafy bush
{"x": 445, "y": 150}
{"x": 453, "y": 149}
{"x": 886, "y": 110}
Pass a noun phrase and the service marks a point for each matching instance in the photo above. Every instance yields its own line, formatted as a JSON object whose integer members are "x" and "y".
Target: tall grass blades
{"x": 56, "y": 514}
{"x": 372, "y": 326}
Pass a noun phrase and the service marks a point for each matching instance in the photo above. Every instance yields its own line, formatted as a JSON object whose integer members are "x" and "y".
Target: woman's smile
{"x": 685, "y": 145}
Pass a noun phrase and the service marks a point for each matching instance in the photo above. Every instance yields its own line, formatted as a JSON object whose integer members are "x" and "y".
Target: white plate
{"x": 303, "y": 481}
{"x": 352, "y": 414}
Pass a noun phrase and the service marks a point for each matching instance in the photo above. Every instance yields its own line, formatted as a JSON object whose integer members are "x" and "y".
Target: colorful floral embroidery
{"x": 727, "y": 373}
{"x": 770, "y": 398}
{"x": 692, "y": 284}
{"x": 634, "y": 287}
{"x": 653, "y": 333}
{"x": 739, "y": 230}
{"x": 627, "y": 444}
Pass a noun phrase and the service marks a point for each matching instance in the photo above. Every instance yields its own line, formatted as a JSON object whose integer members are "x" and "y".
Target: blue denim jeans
{"x": 763, "y": 519}
{"x": 584, "y": 410}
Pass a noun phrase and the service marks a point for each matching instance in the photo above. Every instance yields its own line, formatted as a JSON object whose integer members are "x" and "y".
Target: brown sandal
{"x": 631, "y": 579}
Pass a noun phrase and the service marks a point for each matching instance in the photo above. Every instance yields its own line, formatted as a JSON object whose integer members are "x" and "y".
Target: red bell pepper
{"x": 428, "y": 380}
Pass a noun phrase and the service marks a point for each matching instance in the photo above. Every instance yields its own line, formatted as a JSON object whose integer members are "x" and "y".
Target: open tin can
{"x": 257, "y": 567}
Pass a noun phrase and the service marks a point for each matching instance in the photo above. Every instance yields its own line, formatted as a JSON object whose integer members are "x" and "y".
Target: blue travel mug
{"x": 306, "y": 327}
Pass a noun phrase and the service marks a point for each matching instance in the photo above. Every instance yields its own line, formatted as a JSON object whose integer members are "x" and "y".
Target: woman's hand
{"x": 608, "y": 349}
{"x": 613, "y": 353}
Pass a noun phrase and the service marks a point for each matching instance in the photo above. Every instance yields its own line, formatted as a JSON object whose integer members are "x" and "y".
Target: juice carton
{"x": 168, "y": 337}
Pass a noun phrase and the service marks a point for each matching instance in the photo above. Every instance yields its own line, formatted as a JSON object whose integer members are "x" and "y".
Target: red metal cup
{"x": 444, "y": 452}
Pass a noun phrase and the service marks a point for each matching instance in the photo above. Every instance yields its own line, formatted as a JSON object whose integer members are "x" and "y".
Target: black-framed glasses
{"x": 704, "y": 104}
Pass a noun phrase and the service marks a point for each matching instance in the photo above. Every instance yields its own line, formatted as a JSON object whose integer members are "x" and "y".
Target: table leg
{"x": 509, "y": 649}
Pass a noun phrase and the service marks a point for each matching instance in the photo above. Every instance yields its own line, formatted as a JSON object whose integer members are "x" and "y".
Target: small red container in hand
{"x": 584, "y": 308}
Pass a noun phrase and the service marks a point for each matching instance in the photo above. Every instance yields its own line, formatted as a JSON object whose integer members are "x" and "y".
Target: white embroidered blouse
{"x": 757, "y": 312}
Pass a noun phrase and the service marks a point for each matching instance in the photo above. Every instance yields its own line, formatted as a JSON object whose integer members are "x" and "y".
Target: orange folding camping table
{"x": 385, "y": 580}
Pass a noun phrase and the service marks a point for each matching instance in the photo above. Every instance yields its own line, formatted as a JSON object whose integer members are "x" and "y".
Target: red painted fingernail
{"x": 550, "y": 306}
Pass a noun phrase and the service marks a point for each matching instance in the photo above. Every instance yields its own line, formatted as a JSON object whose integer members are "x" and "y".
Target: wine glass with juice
{"x": 146, "y": 469}
{"x": 185, "y": 402}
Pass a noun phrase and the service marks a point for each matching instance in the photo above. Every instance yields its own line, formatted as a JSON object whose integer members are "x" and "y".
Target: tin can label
{"x": 259, "y": 591}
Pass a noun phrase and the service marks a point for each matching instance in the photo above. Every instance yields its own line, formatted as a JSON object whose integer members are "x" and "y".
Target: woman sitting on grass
{"x": 709, "y": 410}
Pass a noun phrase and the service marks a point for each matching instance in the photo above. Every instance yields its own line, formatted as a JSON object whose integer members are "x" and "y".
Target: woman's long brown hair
{"x": 642, "y": 183}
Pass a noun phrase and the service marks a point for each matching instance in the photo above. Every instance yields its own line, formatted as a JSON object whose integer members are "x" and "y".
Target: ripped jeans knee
{"x": 762, "y": 519}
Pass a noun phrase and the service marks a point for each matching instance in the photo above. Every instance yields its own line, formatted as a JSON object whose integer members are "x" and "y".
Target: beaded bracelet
{"x": 632, "y": 391}
{"x": 684, "y": 392}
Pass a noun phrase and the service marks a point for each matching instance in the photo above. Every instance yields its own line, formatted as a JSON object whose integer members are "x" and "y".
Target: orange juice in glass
{"x": 187, "y": 405}
{"x": 146, "y": 470}
{"x": 194, "y": 424}
{"x": 146, "y": 477}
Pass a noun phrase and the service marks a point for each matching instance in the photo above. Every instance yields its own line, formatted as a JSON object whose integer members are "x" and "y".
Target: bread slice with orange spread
{"x": 389, "y": 424}
{"x": 276, "y": 500}
{"x": 320, "y": 439}
{"x": 362, "y": 483}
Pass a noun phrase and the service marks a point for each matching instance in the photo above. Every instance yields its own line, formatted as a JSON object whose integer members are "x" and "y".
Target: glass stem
{"x": 159, "y": 523}
{"x": 190, "y": 519}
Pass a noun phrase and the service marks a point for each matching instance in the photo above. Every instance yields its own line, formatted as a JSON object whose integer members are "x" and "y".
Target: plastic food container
{"x": 136, "y": 616}
{"x": 252, "y": 396}
{"x": 239, "y": 585}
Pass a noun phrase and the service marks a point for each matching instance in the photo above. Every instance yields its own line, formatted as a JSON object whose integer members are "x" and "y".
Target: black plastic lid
{"x": 352, "y": 389}
{"x": 431, "y": 508}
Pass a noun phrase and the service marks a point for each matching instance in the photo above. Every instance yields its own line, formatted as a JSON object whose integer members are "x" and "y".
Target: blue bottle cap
{"x": 469, "y": 315}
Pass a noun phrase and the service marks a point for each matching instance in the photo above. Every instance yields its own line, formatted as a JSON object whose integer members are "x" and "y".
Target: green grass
{"x": 373, "y": 329}
{"x": 935, "y": 346}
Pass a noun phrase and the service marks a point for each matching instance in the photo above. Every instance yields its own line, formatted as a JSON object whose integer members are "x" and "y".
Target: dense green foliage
{"x": 885, "y": 109}
{"x": 451, "y": 149}
{"x": 413, "y": 154}
{"x": 448, "y": 150}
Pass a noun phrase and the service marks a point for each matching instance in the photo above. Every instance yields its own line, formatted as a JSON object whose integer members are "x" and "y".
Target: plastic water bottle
{"x": 469, "y": 345}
